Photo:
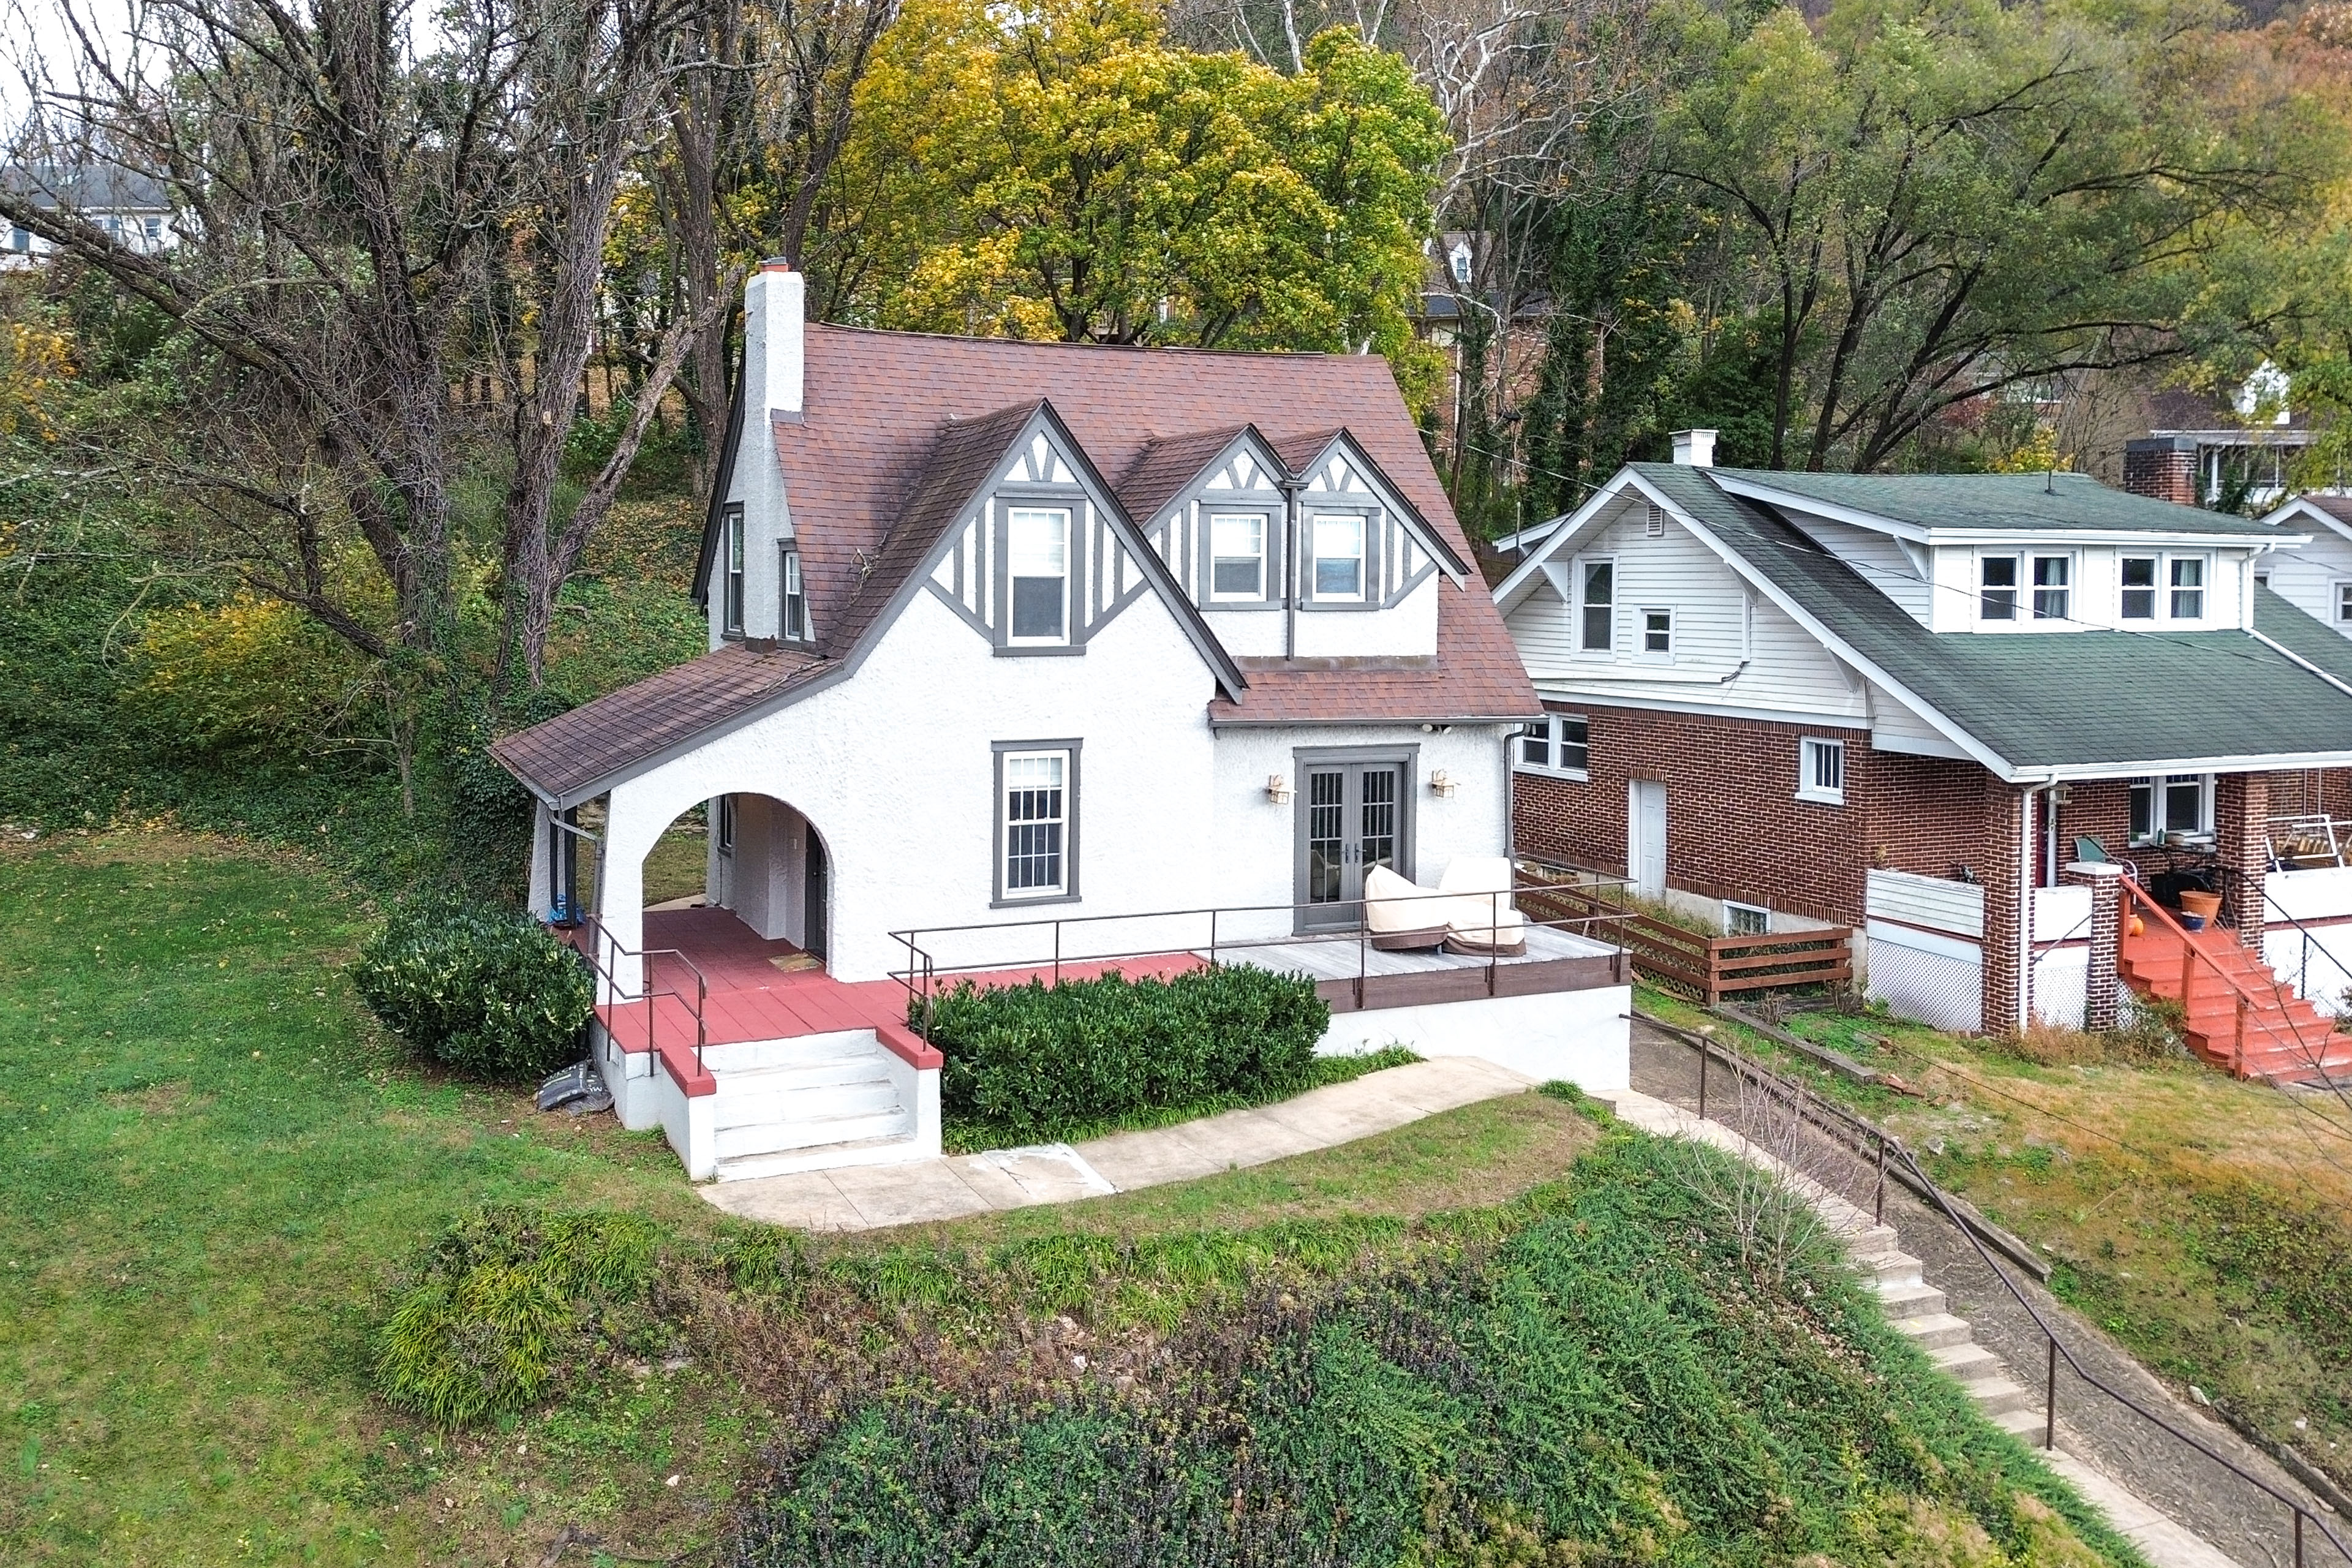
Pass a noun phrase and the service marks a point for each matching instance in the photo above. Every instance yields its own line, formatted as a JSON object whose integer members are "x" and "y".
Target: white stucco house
{"x": 1024, "y": 656}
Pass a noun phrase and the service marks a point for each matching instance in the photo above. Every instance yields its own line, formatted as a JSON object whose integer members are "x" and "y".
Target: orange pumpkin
{"x": 2138, "y": 926}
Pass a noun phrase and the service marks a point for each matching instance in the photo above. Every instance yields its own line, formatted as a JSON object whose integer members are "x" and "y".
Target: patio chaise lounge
{"x": 1469, "y": 911}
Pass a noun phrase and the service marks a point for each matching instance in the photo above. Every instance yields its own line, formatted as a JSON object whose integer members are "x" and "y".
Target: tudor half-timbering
{"x": 1008, "y": 634}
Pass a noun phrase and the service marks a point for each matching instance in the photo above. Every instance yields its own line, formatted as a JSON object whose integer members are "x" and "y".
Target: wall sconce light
{"x": 1277, "y": 789}
{"x": 2062, "y": 794}
{"x": 1441, "y": 783}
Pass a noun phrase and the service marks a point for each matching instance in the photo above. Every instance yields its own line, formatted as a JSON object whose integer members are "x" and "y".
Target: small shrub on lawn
{"x": 1038, "y": 1060}
{"x": 498, "y": 1301}
{"x": 484, "y": 989}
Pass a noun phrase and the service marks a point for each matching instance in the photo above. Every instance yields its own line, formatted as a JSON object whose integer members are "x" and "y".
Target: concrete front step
{"x": 801, "y": 1050}
{"x": 888, "y": 1150}
{"x": 739, "y": 1108}
{"x": 1933, "y": 1331}
{"x": 804, "y": 1134}
{"x": 1908, "y": 1301}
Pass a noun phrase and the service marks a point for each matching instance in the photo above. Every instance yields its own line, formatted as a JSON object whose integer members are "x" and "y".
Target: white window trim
{"x": 2029, "y": 610}
{"x": 1656, "y": 655}
{"x": 2205, "y": 589}
{"x": 2021, "y": 590}
{"x": 1264, "y": 536}
{"x": 1067, "y": 890}
{"x": 1731, "y": 904}
{"x": 1363, "y": 558}
{"x": 2155, "y": 591}
{"x": 1555, "y": 723}
{"x": 1581, "y": 564}
{"x": 2341, "y": 600}
{"x": 2155, "y": 784}
{"x": 1070, "y": 529}
{"x": 1806, "y": 789}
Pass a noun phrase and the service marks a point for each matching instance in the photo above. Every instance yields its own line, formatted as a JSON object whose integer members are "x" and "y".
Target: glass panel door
{"x": 1327, "y": 835}
{"x": 1353, "y": 821}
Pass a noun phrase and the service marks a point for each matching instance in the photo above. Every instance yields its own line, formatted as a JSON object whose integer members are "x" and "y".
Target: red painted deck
{"x": 750, "y": 998}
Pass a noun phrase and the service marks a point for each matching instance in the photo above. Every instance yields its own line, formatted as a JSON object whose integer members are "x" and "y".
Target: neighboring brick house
{"x": 1787, "y": 700}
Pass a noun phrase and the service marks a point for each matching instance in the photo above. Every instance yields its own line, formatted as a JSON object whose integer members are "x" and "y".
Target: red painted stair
{"x": 2286, "y": 1039}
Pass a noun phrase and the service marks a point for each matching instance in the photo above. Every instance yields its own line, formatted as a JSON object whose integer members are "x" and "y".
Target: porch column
{"x": 542, "y": 868}
{"x": 2241, "y": 808}
{"x": 632, "y": 824}
{"x": 2101, "y": 977}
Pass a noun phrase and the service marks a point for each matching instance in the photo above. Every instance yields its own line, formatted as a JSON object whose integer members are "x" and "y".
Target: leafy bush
{"x": 1040, "y": 1059}
{"x": 484, "y": 989}
{"x": 497, "y": 1301}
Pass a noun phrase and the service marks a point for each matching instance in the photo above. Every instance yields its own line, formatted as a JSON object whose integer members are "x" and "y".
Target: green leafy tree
{"x": 1063, "y": 172}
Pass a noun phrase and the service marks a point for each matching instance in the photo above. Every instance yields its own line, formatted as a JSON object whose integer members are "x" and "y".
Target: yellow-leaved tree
{"x": 1059, "y": 170}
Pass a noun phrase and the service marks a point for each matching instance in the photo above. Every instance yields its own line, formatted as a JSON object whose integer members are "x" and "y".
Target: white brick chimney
{"x": 775, "y": 306}
{"x": 1695, "y": 449}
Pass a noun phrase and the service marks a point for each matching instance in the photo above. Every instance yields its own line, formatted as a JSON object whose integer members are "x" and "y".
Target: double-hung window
{"x": 2344, "y": 604}
{"x": 1997, "y": 588}
{"x": 1596, "y": 607}
{"x": 731, "y": 569}
{"x": 1557, "y": 744}
{"x": 2174, "y": 802}
{"x": 1820, "y": 771}
{"x": 2187, "y": 580}
{"x": 1236, "y": 555}
{"x": 2052, "y": 581}
{"x": 1036, "y": 794}
{"x": 795, "y": 623}
{"x": 1339, "y": 555}
{"x": 1658, "y": 634}
{"x": 2138, "y": 588}
{"x": 1037, "y": 547}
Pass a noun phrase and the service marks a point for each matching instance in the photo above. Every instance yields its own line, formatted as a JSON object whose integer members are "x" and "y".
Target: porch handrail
{"x": 1867, "y": 1139}
{"x": 2310, "y": 936}
{"x": 599, "y": 935}
{"x": 923, "y": 972}
{"x": 2190, "y": 956}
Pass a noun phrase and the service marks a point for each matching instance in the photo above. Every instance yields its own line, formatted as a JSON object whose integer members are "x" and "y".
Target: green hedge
{"x": 484, "y": 989}
{"x": 1039, "y": 1059}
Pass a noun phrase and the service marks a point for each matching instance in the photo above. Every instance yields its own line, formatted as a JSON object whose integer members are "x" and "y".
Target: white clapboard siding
{"x": 1878, "y": 557}
{"x": 2307, "y": 578}
{"x": 1894, "y": 727}
{"x": 1929, "y": 903}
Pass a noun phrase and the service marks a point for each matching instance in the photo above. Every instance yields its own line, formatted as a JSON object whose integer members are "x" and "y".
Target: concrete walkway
{"x": 870, "y": 1197}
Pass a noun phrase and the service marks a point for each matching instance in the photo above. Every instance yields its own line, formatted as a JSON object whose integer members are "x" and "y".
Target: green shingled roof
{"x": 2038, "y": 503}
{"x": 2050, "y": 698}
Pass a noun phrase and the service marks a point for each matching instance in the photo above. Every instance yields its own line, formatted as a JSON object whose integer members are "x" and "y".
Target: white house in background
{"x": 131, "y": 209}
{"x": 1026, "y": 655}
{"x": 2317, "y": 578}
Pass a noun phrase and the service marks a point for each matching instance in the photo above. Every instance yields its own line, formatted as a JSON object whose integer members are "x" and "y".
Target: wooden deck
{"x": 1357, "y": 977}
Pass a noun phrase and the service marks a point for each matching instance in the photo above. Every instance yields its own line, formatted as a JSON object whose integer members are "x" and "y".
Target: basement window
{"x": 1745, "y": 919}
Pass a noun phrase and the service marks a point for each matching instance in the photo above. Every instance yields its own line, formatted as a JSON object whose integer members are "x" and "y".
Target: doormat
{"x": 795, "y": 962}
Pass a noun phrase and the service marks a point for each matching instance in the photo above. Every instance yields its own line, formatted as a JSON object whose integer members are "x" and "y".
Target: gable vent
{"x": 1655, "y": 526}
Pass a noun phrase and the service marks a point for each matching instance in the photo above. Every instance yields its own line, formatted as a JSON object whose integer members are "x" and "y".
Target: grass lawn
{"x": 2206, "y": 1224}
{"x": 218, "y": 1167}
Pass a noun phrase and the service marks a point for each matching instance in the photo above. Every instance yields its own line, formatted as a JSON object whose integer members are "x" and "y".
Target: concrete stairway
{"x": 801, "y": 1104}
{"x": 2288, "y": 1040}
{"x": 1918, "y": 1309}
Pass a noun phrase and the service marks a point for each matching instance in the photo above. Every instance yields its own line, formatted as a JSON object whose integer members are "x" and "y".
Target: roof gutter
{"x": 2298, "y": 661}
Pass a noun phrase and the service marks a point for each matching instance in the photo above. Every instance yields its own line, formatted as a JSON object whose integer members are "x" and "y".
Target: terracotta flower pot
{"x": 2204, "y": 906}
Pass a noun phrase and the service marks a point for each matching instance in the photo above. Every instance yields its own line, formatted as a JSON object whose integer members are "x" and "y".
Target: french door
{"x": 1352, "y": 818}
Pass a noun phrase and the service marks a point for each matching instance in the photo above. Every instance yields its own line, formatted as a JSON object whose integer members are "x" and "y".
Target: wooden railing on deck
{"x": 1707, "y": 967}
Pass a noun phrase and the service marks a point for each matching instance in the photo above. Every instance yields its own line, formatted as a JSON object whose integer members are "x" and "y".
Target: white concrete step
{"x": 2025, "y": 1421}
{"x": 1967, "y": 1361}
{"x": 1997, "y": 1394}
{"x": 1910, "y": 1300}
{"x": 801, "y": 1050}
{"x": 808, "y": 1103}
{"x": 1890, "y": 1268}
{"x": 1933, "y": 1331}
{"x": 813, "y": 1131}
{"x": 824, "y": 1073}
{"x": 892, "y": 1151}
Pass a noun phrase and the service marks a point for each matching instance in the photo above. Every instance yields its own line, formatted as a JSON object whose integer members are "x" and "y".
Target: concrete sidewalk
{"x": 870, "y": 1197}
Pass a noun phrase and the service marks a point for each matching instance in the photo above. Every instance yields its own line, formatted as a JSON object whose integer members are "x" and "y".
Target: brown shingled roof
{"x": 568, "y": 756}
{"x": 1166, "y": 465}
{"x": 875, "y": 402}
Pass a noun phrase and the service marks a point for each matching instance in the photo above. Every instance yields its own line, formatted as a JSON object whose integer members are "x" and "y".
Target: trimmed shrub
{"x": 1041, "y": 1059}
{"x": 483, "y": 989}
{"x": 498, "y": 1300}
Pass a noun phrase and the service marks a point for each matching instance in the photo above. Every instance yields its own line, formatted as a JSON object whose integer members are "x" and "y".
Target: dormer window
{"x": 2188, "y": 587}
{"x": 794, "y": 625}
{"x": 1038, "y": 547}
{"x": 2052, "y": 579}
{"x": 2138, "y": 588}
{"x": 1237, "y": 555}
{"x": 1997, "y": 588}
{"x": 732, "y": 563}
{"x": 1339, "y": 555}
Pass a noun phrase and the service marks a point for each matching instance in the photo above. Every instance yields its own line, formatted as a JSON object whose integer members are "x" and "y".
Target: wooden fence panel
{"x": 1706, "y": 967}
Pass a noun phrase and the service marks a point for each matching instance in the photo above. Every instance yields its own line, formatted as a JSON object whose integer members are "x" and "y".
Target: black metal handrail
{"x": 921, "y": 975}
{"x": 1855, "y": 1130}
{"x": 600, "y": 936}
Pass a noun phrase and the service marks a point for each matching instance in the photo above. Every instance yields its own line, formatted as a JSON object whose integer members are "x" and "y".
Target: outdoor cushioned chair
{"x": 1402, "y": 915}
{"x": 1481, "y": 922}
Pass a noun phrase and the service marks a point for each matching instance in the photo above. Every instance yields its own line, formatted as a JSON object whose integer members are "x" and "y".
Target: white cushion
{"x": 1480, "y": 910}
{"x": 1391, "y": 904}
